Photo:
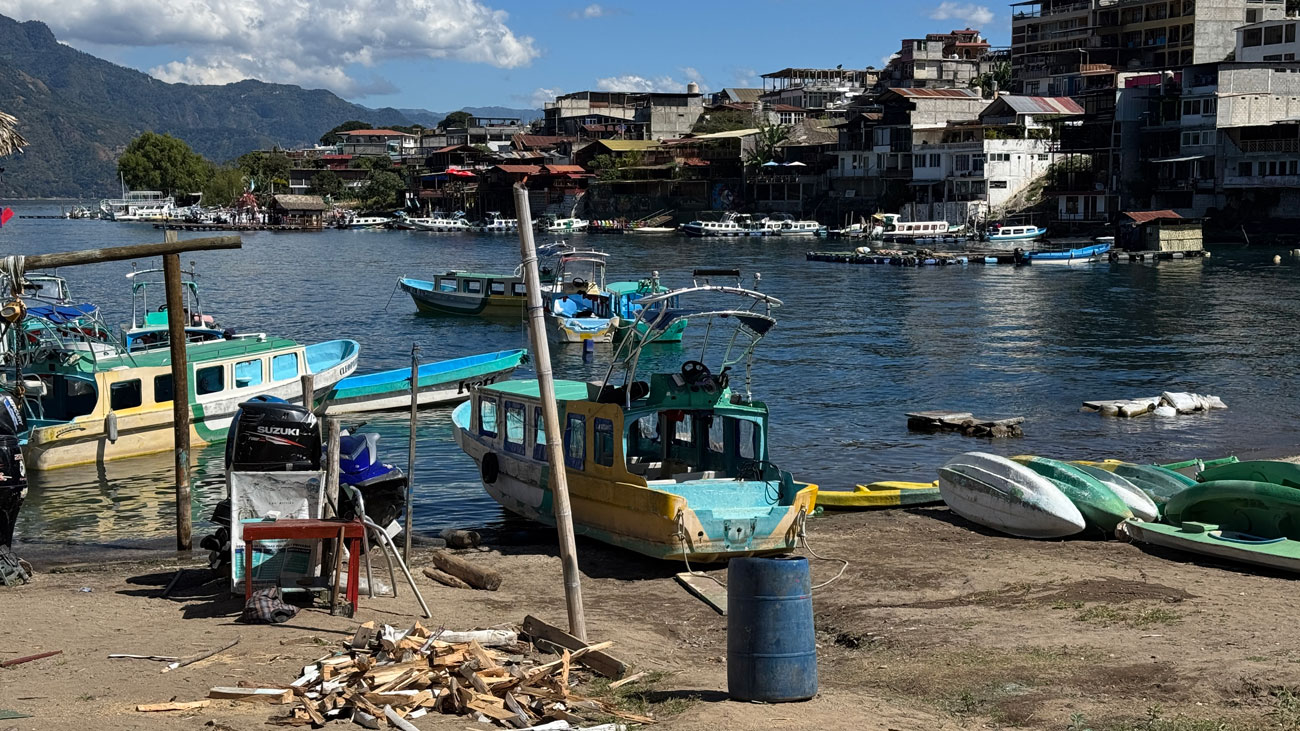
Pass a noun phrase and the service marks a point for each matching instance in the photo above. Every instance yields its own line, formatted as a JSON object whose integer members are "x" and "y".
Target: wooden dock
{"x": 234, "y": 227}
{"x": 1133, "y": 256}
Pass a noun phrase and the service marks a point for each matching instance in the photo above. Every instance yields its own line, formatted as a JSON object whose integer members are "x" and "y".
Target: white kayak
{"x": 1143, "y": 507}
{"x": 1000, "y": 494}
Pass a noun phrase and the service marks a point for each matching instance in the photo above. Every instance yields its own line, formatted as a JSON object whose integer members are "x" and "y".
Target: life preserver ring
{"x": 490, "y": 468}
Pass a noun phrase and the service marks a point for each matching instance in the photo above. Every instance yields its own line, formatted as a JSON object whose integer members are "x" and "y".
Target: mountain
{"x": 79, "y": 112}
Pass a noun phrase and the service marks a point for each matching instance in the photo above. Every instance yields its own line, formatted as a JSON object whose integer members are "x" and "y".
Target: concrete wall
{"x": 940, "y": 110}
{"x": 1215, "y": 24}
{"x": 1251, "y": 95}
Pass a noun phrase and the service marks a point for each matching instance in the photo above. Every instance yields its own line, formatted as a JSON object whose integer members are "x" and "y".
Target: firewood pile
{"x": 385, "y": 676}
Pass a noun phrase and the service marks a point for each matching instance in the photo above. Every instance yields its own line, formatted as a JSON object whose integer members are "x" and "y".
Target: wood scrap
{"x": 629, "y": 679}
{"x": 456, "y": 538}
{"x": 172, "y": 584}
{"x": 201, "y": 656}
{"x": 478, "y": 577}
{"x": 275, "y": 696}
{"x": 155, "y": 658}
{"x": 446, "y": 579}
{"x": 172, "y": 706}
{"x": 29, "y": 658}
{"x": 602, "y": 663}
{"x": 485, "y": 637}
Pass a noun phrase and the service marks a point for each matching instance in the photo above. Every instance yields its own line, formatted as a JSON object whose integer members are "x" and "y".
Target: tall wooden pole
{"x": 551, "y": 417}
{"x": 410, "y": 450}
{"x": 180, "y": 393}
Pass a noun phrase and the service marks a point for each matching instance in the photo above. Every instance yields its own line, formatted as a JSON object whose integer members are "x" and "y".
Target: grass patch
{"x": 641, "y": 697}
{"x": 1107, "y": 615}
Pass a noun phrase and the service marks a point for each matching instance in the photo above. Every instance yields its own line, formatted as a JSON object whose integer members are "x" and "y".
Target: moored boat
{"x": 495, "y": 224}
{"x": 468, "y": 294}
{"x": 578, "y": 305}
{"x": 676, "y": 467}
{"x": 995, "y": 492}
{"x": 1015, "y": 233}
{"x": 564, "y": 225}
{"x": 443, "y": 382}
{"x": 881, "y": 495}
{"x": 633, "y": 316}
{"x": 363, "y": 222}
{"x": 1067, "y": 254}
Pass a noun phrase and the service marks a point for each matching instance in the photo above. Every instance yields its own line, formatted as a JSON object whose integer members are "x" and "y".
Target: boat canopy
{"x": 62, "y": 314}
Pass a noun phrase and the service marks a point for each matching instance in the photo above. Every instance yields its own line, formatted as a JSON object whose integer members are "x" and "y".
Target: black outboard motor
{"x": 13, "y": 476}
{"x": 270, "y": 435}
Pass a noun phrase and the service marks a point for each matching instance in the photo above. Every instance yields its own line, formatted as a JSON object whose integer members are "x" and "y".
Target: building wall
{"x": 1252, "y": 95}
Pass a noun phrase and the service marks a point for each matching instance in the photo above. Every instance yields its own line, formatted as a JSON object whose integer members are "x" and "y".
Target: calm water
{"x": 856, "y": 347}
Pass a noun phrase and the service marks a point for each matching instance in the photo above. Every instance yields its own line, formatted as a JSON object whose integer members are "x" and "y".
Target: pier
{"x": 234, "y": 227}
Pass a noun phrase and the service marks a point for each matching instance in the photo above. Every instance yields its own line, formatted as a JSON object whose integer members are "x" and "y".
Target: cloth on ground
{"x": 267, "y": 606}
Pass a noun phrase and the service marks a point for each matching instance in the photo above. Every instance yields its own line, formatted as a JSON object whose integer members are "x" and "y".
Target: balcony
{"x": 1256, "y": 146}
{"x": 1261, "y": 181}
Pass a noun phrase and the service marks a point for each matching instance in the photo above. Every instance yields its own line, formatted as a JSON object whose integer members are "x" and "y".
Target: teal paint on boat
{"x": 1100, "y": 506}
{"x": 439, "y": 383}
{"x": 1209, "y": 539}
{"x": 623, "y": 301}
{"x": 1255, "y": 508}
{"x": 1158, "y": 483}
{"x": 1276, "y": 472}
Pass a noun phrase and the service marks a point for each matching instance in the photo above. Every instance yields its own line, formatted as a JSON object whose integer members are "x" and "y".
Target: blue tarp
{"x": 62, "y": 314}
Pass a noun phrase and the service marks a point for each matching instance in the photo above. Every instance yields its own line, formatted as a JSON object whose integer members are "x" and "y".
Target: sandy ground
{"x": 935, "y": 625}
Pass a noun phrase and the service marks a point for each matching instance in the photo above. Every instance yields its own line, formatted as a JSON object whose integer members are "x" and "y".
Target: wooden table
{"x": 305, "y": 529}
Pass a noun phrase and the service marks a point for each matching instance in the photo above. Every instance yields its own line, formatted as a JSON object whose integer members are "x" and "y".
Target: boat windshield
{"x": 674, "y": 445}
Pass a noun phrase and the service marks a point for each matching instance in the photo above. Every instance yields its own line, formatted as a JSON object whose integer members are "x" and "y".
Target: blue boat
{"x": 632, "y": 314}
{"x": 1077, "y": 255}
{"x": 444, "y": 382}
{"x": 1016, "y": 233}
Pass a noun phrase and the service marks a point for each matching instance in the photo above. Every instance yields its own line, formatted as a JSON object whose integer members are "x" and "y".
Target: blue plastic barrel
{"x": 771, "y": 647}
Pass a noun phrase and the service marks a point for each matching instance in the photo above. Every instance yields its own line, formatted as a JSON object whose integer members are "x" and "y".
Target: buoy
{"x": 1277, "y": 259}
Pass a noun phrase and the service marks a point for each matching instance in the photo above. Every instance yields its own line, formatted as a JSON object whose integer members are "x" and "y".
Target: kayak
{"x": 1210, "y": 539}
{"x": 882, "y": 495}
{"x": 1143, "y": 507}
{"x": 995, "y": 492}
{"x": 1099, "y": 505}
{"x": 1263, "y": 470}
{"x": 1158, "y": 483}
{"x": 1255, "y": 508}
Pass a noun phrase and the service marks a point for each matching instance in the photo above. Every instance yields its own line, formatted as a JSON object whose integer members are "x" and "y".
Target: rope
{"x": 13, "y": 267}
{"x": 681, "y": 537}
{"x": 391, "y": 295}
{"x": 802, "y": 536}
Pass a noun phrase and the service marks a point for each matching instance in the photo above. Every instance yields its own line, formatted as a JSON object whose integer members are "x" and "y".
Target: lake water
{"x": 855, "y": 348}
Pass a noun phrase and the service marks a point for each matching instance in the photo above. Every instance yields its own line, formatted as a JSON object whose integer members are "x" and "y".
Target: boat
{"x": 564, "y": 225}
{"x": 633, "y": 314}
{"x": 139, "y": 205}
{"x": 892, "y": 227}
{"x": 1008, "y": 497}
{"x": 1101, "y": 508}
{"x": 1276, "y": 472}
{"x": 1000, "y": 233}
{"x": 150, "y": 327}
{"x": 725, "y": 226}
{"x": 1258, "y": 508}
{"x": 90, "y": 411}
{"x": 440, "y": 383}
{"x": 783, "y": 224}
{"x": 676, "y": 467}
{"x": 436, "y": 223}
{"x": 1218, "y": 541}
{"x": 468, "y": 294}
{"x": 1068, "y": 254}
{"x": 651, "y": 230}
{"x": 361, "y": 222}
{"x": 1159, "y": 484}
{"x": 495, "y": 224}
{"x": 882, "y": 495}
{"x": 1138, "y": 502}
{"x": 577, "y": 304}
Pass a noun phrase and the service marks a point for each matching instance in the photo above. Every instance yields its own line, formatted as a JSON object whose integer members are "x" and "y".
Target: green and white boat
{"x": 444, "y": 382}
{"x": 635, "y": 316}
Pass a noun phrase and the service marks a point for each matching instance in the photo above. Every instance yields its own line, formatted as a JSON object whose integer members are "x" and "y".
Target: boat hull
{"x": 573, "y": 330}
{"x": 443, "y": 383}
{"x": 1208, "y": 540}
{"x": 882, "y": 495}
{"x": 462, "y": 304}
{"x": 1008, "y": 497}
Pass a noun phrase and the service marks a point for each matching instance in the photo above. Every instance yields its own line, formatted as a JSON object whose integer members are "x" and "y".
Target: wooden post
{"x": 308, "y": 382}
{"x": 551, "y": 417}
{"x": 410, "y": 450}
{"x": 180, "y": 394}
{"x": 332, "y": 466}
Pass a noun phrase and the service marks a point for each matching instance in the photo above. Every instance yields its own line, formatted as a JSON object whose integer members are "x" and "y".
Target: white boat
{"x": 731, "y": 224}
{"x": 1008, "y": 497}
{"x": 892, "y": 227}
{"x": 436, "y": 223}
{"x": 1016, "y": 233}
{"x": 139, "y": 205}
{"x": 566, "y": 225}
{"x": 366, "y": 222}
{"x": 783, "y": 224}
{"x": 651, "y": 230}
{"x": 578, "y": 304}
{"x": 1143, "y": 507}
{"x": 495, "y": 224}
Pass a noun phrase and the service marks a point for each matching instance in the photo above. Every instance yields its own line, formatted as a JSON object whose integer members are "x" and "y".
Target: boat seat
{"x": 644, "y": 468}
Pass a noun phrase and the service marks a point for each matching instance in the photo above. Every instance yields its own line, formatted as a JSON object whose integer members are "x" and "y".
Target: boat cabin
{"x": 495, "y": 285}
{"x": 579, "y": 289}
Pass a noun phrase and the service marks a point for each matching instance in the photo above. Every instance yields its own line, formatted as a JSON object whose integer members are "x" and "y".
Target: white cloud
{"x": 593, "y": 10}
{"x": 973, "y": 15}
{"x": 316, "y": 44}
{"x": 693, "y": 74}
{"x": 744, "y": 78}
{"x": 634, "y": 83}
{"x": 541, "y": 96}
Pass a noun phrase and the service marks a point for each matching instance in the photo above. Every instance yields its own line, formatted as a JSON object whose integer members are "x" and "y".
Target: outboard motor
{"x": 13, "y": 475}
{"x": 272, "y": 435}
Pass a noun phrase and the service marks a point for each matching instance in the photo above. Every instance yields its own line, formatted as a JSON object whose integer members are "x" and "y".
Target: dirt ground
{"x": 935, "y": 625}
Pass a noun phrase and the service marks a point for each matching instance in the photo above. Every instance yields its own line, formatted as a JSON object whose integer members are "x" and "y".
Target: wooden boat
{"x": 1068, "y": 255}
{"x": 444, "y": 382}
{"x": 1016, "y": 233}
{"x": 1101, "y": 508}
{"x": 468, "y": 294}
{"x": 882, "y": 495}
{"x": 1212, "y": 539}
{"x": 676, "y": 467}
{"x": 1007, "y": 496}
{"x": 626, "y": 302}
{"x": 1276, "y": 472}
{"x": 578, "y": 306}
{"x": 94, "y": 410}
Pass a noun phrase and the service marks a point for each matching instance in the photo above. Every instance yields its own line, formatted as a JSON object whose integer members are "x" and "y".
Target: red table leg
{"x": 354, "y": 571}
{"x": 248, "y": 570}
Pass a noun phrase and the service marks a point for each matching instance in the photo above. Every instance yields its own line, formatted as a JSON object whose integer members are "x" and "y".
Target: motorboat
{"x": 1015, "y": 233}
{"x": 360, "y": 222}
{"x": 577, "y": 303}
{"x": 626, "y": 298}
{"x": 565, "y": 225}
{"x": 468, "y": 294}
{"x": 495, "y": 224}
{"x": 139, "y": 205}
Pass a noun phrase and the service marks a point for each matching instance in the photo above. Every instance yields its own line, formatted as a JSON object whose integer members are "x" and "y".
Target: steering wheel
{"x": 162, "y": 307}
{"x": 579, "y": 284}
{"x": 694, "y": 371}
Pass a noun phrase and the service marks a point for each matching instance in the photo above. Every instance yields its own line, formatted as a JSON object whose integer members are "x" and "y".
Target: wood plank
{"x": 607, "y": 665}
{"x": 172, "y": 706}
{"x": 274, "y": 696}
{"x": 939, "y": 415}
{"x": 446, "y": 579}
{"x": 706, "y": 590}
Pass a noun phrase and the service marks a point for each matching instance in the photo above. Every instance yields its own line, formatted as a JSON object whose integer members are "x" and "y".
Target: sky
{"x": 447, "y": 54}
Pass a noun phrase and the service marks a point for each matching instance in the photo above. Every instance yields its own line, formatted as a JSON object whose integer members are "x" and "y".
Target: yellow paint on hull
{"x": 881, "y": 495}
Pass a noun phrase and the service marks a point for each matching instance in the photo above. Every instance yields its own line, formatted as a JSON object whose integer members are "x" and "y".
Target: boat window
{"x": 162, "y": 389}
{"x": 539, "y": 435}
{"x": 497, "y": 287}
{"x": 575, "y": 440}
{"x": 603, "y": 442}
{"x": 717, "y": 436}
{"x": 682, "y": 430}
{"x": 746, "y": 439}
{"x": 474, "y": 286}
{"x": 487, "y": 417}
{"x": 248, "y": 373}
{"x": 284, "y": 366}
{"x": 644, "y": 439}
{"x": 124, "y": 395}
{"x": 514, "y": 427}
{"x": 209, "y": 380}
{"x": 447, "y": 285}
{"x": 519, "y": 289}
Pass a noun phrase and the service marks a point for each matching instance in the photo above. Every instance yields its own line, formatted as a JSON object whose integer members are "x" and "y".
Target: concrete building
{"x": 1267, "y": 41}
{"x": 623, "y": 115}
{"x": 817, "y": 90}
{"x": 375, "y": 142}
{"x": 940, "y": 60}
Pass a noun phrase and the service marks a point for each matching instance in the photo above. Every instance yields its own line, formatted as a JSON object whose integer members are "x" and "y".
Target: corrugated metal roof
{"x": 935, "y": 93}
{"x": 540, "y": 140}
{"x": 725, "y": 135}
{"x": 628, "y": 145}
{"x": 743, "y": 95}
{"x": 520, "y": 169}
{"x": 1041, "y": 104}
{"x": 1148, "y": 216}
{"x": 564, "y": 169}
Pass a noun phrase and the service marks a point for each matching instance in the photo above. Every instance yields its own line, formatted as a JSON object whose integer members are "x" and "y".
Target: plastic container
{"x": 771, "y": 646}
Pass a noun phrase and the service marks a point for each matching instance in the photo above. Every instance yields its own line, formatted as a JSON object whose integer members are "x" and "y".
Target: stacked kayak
{"x": 881, "y": 495}
{"x": 1006, "y": 496}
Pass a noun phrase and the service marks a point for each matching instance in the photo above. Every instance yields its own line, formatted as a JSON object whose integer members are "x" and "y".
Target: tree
{"x": 995, "y": 79}
{"x": 266, "y": 170}
{"x": 327, "y": 182}
{"x": 333, "y": 136}
{"x": 723, "y": 120}
{"x": 455, "y": 119}
{"x": 162, "y": 162}
{"x": 225, "y": 185}
{"x": 767, "y": 143}
{"x": 382, "y": 190}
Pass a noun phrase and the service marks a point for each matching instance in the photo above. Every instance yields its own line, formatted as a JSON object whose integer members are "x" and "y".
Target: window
{"x": 284, "y": 366}
{"x": 519, "y": 289}
{"x": 1252, "y": 37}
{"x": 162, "y": 389}
{"x": 961, "y": 163}
{"x": 997, "y": 184}
{"x": 575, "y": 441}
{"x": 487, "y": 417}
{"x": 209, "y": 380}
{"x": 999, "y": 157}
{"x": 717, "y": 436}
{"x": 603, "y": 442}
{"x": 539, "y": 435}
{"x": 746, "y": 439}
{"x": 934, "y": 160}
{"x": 1272, "y": 35}
{"x": 447, "y": 285}
{"x": 473, "y": 286}
{"x": 1291, "y": 167}
{"x": 497, "y": 287}
{"x": 1290, "y": 32}
{"x": 248, "y": 373}
{"x": 918, "y": 161}
{"x": 124, "y": 395}
{"x": 514, "y": 427}
{"x": 1041, "y": 157}
{"x": 1243, "y": 169}
{"x": 682, "y": 430}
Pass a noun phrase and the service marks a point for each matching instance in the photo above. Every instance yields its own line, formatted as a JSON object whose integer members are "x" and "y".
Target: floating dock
{"x": 235, "y": 227}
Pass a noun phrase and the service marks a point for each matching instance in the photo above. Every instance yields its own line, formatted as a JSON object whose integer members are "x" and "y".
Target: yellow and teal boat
{"x": 468, "y": 294}
{"x": 887, "y": 494}
{"x": 634, "y": 314}
{"x": 674, "y": 467}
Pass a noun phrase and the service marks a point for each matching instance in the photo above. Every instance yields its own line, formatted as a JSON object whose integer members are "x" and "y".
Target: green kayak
{"x": 1255, "y": 508}
{"x": 1158, "y": 483}
{"x": 1100, "y": 506}
{"x": 1210, "y": 539}
{"x": 1262, "y": 470}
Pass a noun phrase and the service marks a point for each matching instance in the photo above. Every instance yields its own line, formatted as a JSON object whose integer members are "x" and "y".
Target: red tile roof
{"x": 519, "y": 169}
{"x": 1148, "y": 216}
{"x": 564, "y": 169}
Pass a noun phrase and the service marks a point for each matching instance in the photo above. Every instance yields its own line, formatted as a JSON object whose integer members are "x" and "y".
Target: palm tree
{"x": 997, "y": 78}
{"x": 767, "y": 142}
{"x": 10, "y": 140}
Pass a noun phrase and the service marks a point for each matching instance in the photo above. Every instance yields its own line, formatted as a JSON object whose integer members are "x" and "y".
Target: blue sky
{"x": 445, "y": 54}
